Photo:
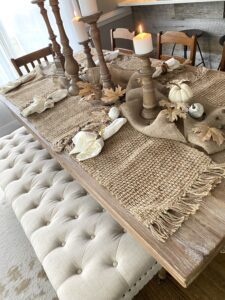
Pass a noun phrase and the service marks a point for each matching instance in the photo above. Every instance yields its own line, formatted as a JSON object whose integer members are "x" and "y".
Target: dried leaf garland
{"x": 111, "y": 95}
{"x": 207, "y": 133}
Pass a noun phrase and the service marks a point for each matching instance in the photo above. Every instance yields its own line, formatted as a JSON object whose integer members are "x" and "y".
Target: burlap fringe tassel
{"x": 171, "y": 219}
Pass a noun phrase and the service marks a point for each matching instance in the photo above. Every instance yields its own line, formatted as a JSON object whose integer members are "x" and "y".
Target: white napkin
{"x": 171, "y": 64}
{"x": 109, "y": 56}
{"x": 14, "y": 84}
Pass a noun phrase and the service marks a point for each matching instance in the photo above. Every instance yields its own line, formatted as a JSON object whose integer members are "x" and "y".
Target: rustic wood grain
{"x": 187, "y": 252}
{"x": 208, "y": 286}
{"x": 178, "y": 38}
{"x": 121, "y": 34}
{"x": 29, "y": 59}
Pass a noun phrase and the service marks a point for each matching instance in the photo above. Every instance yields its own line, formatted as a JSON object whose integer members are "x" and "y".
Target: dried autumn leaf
{"x": 217, "y": 136}
{"x": 111, "y": 95}
{"x": 207, "y": 133}
{"x": 86, "y": 88}
{"x": 182, "y": 106}
{"x": 166, "y": 103}
{"x": 173, "y": 114}
{"x": 90, "y": 97}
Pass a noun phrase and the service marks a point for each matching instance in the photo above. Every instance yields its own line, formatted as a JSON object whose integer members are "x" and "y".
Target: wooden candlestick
{"x": 59, "y": 59}
{"x": 95, "y": 35}
{"x": 71, "y": 65}
{"x": 150, "y": 105}
{"x": 87, "y": 51}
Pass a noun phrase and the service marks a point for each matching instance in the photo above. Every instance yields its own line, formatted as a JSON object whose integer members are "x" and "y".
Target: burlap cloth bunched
{"x": 159, "y": 181}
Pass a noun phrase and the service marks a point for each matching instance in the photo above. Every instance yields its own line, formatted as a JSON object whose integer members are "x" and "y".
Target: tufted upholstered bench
{"x": 85, "y": 253}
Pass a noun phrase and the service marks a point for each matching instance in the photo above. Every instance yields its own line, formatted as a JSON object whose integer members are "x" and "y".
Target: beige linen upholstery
{"x": 85, "y": 253}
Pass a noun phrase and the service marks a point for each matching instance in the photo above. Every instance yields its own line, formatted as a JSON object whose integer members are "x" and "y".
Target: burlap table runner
{"x": 59, "y": 125}
{"x": 160, "y": 182}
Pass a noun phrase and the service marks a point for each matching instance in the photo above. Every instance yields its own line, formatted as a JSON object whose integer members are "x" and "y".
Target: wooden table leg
{"x": 162, "y": 274}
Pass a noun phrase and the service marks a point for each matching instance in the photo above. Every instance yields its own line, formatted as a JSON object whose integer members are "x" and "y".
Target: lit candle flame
{"x": 140, "y": 28}
{"x": 77, "y": 18}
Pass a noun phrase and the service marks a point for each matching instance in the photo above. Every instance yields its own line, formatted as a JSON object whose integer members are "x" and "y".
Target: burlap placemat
{"x": 24, "y": 95}
{"x": 71, "y": 115}
{"x": 160, "y": 182}
{"x": 60, "y": 124}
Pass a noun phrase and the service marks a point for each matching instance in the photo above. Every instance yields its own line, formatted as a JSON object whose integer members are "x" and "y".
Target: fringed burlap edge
{"x": 172, "y": 218}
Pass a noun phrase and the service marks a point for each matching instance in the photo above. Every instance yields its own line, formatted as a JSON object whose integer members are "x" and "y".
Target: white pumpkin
{"x": 196, "y": 110}
{"x": 180, "y": 92}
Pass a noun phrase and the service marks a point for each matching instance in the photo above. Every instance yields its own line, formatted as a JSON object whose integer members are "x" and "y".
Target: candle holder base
{"x": 150, "y": 106}
{"x": 73, "y": 88}
{"x": 150, "y": 114}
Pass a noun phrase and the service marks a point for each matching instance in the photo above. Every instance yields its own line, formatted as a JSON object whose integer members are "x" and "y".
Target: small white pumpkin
{"x": 196, "y": 110}
{"x": 180, "y": 92}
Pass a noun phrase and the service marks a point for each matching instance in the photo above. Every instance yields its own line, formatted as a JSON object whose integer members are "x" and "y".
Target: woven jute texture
{"x": 160, "y": 182}
{"x": 24, "y": 95}
{"x": 60, "y": 124}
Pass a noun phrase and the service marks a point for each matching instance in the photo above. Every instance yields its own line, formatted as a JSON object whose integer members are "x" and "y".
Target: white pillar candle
{"x": 88, "y": 7}
{"x": 80, "y": 30}
{"x": 143, "y": 43}
{"x": 76, "y": 8}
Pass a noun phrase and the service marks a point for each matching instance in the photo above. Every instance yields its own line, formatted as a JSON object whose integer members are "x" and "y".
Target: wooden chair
{"x": 180, "y": 38}
{"x": 28, "y": 60}
{"x": 222, "y": 62}
{"x": 122, "y": 34}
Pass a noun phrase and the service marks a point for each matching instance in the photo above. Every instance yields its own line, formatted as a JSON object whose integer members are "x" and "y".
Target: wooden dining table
{"x": 187, "y": 252}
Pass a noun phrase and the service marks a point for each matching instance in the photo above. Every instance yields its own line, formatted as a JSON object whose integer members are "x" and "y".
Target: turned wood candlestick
{"x": 150, "y": 106}
{"x": 71, "y": 65}
{"x": 95, "y": 35}
{"x": 87, "y": 51}
{"x": 59, "y": 59}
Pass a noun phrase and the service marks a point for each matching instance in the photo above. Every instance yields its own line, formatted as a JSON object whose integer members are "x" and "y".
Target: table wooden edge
{"x": 140, "y": 233}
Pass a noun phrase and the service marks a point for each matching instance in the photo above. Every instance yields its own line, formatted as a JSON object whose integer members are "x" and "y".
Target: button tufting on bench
{"x": 85, "y": 253}
{"x": 115, "y": 264}
{"x": 79, "y": 271}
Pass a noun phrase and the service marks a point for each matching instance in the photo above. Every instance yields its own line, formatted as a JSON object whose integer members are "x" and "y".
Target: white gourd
{"x": 180, "y": 92}
{"x": 196, "y": 110}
